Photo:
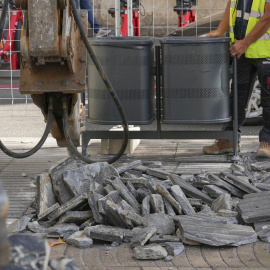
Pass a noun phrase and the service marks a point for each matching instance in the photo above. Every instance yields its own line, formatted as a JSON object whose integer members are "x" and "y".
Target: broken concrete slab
{"x": 142, "y": 193}
{"x": 261, "y": 166}
{"x": 149, "y": 252}
{"x": 165, "y": 193}
{"x": 156, "y": 203}
{"x": 223, "y": 184}
{"x": 186, "y": 240}
{"x": 80, "y": 240}
{"x": 214, "y": 191}
{"x": 105, "y": 233}
{"x": 19, "y": 224}
{"x": 146, "y": 205}
{"x": 236, "y": 181}
{"x": 181, "y": 198}
{"x": 28, "y": 252}
{"x": 158, "y": 173}
{"x": 69, "y": 205}
{"x": 174, "y": 248}
{"x": 227, "y": 213}
{"x": 264, "y": 235}
{"x": 215, "y": 234}
{"x": 168, "y": 208}
{"x": 129, "y": 166}
{"x": 96, "y": 187}
{"x": 258, "y": 226}
{"x": 45, "y": 214}
{"x": 162, "y": 239}
{"x": 222, "y": 202}
{"x": 139, "y": 239}
{"x": 45, "y": 195}
{"x": 162, "y": 222}
{"x": 76, "y": 217}
{"x": 255, "y": 207}
{"x": 195, "y": 202}
{"x": 62, "y": 193}
{"x": 78, "y": 180}
{"x": 113, "y": 196}
{"x": 132, "y": 189}
{"x": 93, "y": 199}
{"x": 189, "y": 189}
{"x": 262, "y": 186}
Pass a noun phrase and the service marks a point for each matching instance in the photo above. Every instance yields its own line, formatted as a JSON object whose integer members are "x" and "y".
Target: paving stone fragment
{"x": 162, "y": 222}
{"x": 142, "y": 193}
{"x": 149, "y": 252}
{"x": 223, "y": 184}
{"x": 264, "y": 235}
{"x": 165, "y": 193}
{"x": 129, "y": 166}
{"x": 126, "y": 206}
{"x": 227, "y": 213}
{"x": 70, "y": 205}
{"x": 80, "y": 240}
{"x": 45, "y": 195}
{"x": 62, "y": 193}
{"x": 158, "y": 173}
{"x": 28, "y": 252}
{"x": 189, "y": 190}
{"x": 112, "y": 196}
{"x": 174, "y": 248}
{"x": 62, "y": 230}
{"x": 93, "y": 199}
{"x": 181, "y": 198}
{"x": 141, "y": 168}
{"x": 186, "y": 240}
{"x": 146, "y": 205}
{"x": 19, "y": 224}
{"x": 156, "y": 203}
{"x": 139, "y": 239}
{"x": 214, "y": 191}
{"x": 63, "y": 263}
{"x": 132, "y": 189}
{"x": 195, "y": 202}
{"x": 77, "y": 217}
{"x": 89, "y": 222}
{"x": 258, "y": 226}
{"x": 215, "y": 234}
{"x": 255, "y": 207}
{"x": 234, "y": 180}
{"x": 105, "y": 233}
{"x": 136, "y": 182}
{"x": 200, "y": 184}
{"x": 118, "y": 185}
{"x": 108, "y": 188}
{"x": 79, "y": 180}
{"x": 162, "y": 239}
{"x": 261, "y": 166}
{"x": 96, "y": 187}
{"x": 168, "y": 208}
{"x": 262, "y": 186}
{"x": 223, "y": 201}
{"x": 45, "y": 214}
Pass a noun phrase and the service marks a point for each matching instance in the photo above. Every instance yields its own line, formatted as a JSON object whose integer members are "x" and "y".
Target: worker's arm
{"x": 240, "y": 46}
{"x": 223, "y": 25}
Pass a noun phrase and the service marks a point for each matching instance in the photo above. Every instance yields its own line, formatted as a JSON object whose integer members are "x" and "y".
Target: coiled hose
{"x": 109, "y": 86}
{"x": 39, "y": 144}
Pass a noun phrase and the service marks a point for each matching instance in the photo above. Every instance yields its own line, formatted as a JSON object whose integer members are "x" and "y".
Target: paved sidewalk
{"x": 17, "y": 177}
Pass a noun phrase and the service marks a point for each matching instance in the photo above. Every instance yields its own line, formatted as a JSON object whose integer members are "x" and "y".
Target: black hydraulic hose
{"x": 3, "y": 17}
{"x": 109, "y": 87}
{"x": 39, "y": 144}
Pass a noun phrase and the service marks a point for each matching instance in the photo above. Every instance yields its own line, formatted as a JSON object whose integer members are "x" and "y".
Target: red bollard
{"x": 4, "y": 244}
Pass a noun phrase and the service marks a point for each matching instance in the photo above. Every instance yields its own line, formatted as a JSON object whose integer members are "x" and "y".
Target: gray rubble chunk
{"x": 28, "y": 252}
{"x": 264, "y": 235}
{"x": 189, "y": 190}
{"x": 262, "y": 186}
{"x": 136, "y": 182}
{"x": 80, "y": 240}
{"x": 165, "y": 193}
{"x": 139, "y": 239}
{"x": 227, "y": 213}
{"x": 223, "y": 184}
{"x": 152, "y": 164}
{"x": 77, "y": 217}
{"x": 142, "y": 193}
{"x": 126, "y": 194}
{"x": 105, "y": 233}
{"x": 108, "y": 188}
{"x": 195, "y": 202}
{"x": 222, "y": 202}
{"x": 261, "y": 166}
{"x": 168, "y": 208}
{"x": 113, "y": 196}
{"x": 162, "y": 222}
{"x": 186, "y": 240}
{"x": 129, "y": 166}
{"x": 93, "y": 199}
{"x": 236, "y": 181}
{"x": 132, "y": 189}
{"x": 69, "y": 205}
{"x": 19, "y": 224}
{"x": 126, "y": 206}
{"x": 146, "y": 205}
{"x": 79, "y": 180}
{"x": 96, "y": 187}
{"x": 181, "y": 198}
{"x": 62, "y": 193}
{"x": 258, "y": 226}
{"x": 156, "y": 203}
{"x": 214, "y": 191}
{"x": 158, "y": 173}
{"x": 45, "y": 214}
{"x": 162, "y": 239}
{"x": 45, "y": 195}
{"x": 255, "y": 207}
{"x": 150, "y": 252}
{"x": 215, "y": 234}
{"x": 63, "y": 263}
{"x": 174, "y": 248}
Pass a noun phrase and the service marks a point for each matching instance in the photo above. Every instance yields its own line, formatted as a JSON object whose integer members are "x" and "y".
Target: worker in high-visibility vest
{"x": 248, "y": 23}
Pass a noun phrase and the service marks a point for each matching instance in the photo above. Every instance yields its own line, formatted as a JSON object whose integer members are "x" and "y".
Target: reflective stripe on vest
{"x": 261, "y": 47}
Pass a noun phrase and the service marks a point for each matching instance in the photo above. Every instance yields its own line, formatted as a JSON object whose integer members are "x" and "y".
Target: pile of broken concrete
{"x": 155, "y": 210}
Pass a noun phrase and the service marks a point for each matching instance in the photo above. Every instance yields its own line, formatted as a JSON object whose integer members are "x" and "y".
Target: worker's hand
{"x": 238, "y": 48}
{"x": 214, "y": 33}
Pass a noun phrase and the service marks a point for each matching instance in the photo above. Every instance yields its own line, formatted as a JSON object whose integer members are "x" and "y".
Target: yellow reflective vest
{"x": 261, "y": 47}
